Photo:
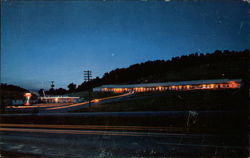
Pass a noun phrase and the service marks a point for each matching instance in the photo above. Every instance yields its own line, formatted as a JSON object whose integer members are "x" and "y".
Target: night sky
{"x": 57, "y": 40}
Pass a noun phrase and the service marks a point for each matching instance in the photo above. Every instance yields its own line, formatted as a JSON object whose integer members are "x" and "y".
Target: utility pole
{"x": 52, "y": 92}
{"x": 87, "y": 78}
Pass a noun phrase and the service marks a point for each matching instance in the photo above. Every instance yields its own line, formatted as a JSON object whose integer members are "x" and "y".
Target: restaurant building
{"x": 59, "y": 99}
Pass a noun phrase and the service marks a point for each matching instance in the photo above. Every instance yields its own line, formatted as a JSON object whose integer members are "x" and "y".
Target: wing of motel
{"x": 172, "y": 86}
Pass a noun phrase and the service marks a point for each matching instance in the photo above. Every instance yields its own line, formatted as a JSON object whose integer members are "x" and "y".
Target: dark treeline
{"x": 216, "y": 65}
{"x": 60, "y": 91}
{"x": 52, "y": 91}
{"x": 11, "y": 88}
{"x": 10, "y": 92}
{"x": 220, "y": 64}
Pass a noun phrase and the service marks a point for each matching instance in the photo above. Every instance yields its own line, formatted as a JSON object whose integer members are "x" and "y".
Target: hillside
{"x": 219, "y": 64}
{"x": 9, "y": 92}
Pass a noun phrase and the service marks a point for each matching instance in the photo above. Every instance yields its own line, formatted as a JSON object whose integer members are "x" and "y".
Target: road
{"x": 66, "y": 107}
{"x": 114, "y": 141}
{"x": 206, "y": 121}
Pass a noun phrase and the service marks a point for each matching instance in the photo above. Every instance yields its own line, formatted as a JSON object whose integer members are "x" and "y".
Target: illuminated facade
{"x": 59, "y": 99}
{"x": 172, "y": 86}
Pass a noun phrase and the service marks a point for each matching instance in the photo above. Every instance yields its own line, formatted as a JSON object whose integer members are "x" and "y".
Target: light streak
{"x": 57, "y": 131}
{"x": 67, "y": 106}
{"x": 37, "y": 106}
{"x": 100, "y": 99}
{"x": 87, "y": 132}
{"x": 95, "y": 127}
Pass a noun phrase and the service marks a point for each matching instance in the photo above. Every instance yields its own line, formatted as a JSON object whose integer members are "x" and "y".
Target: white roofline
{"x": 57, "y": 97}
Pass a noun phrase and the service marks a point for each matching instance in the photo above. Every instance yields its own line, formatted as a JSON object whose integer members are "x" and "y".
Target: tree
{"x": 51, "y": 91}
{"x": 60, "y": 91}
{"x": 72, "y": 87}
{"x": 41, "y": 92}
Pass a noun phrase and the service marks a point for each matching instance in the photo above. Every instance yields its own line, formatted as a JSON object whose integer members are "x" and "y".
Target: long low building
{"x": 59, "y": 99}
{"x": 180, "y": 85}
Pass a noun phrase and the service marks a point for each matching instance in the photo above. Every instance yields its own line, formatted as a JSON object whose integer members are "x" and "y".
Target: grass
{"x": 94, "y": 95}
{"x": 166, "y": 101}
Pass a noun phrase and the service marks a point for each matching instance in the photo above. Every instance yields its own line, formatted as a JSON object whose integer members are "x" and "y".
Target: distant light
{"x": 96, "y": 100}
{"x": 27, "y": 95}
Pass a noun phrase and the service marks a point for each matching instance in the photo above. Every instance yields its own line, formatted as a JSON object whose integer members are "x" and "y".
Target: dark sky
{"x": 44, "y": 41}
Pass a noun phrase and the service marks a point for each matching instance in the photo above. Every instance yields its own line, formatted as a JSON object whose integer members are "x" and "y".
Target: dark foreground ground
{"x": 126, "y": 134}
{"x": 102, "y": 143}
{"x": 181, "y": 124}
{"x": 206, "y": 100}
{"x": 200, "y": 121}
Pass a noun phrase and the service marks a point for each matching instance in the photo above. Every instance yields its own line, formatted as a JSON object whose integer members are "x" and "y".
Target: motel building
{"x": 59, "y": 99}
{"x": 173, "y": 86}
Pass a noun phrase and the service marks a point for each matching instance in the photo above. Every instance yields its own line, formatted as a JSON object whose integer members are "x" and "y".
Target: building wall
{"x": 173, "y": 86}
{"x": 59, "y": 99}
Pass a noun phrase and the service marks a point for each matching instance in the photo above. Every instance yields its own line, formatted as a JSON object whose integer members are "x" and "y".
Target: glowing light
{"x": 203, "y": 86}
{"x": 173, "y": 87}
{"x": 233, "y": 84}
{"x": 159, "y": 88}
{"x": 27, "y": 96}
{"x": 230, "y": 84}
{"x": 95, "y": 100}
{"x": 221, "y": 85}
